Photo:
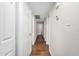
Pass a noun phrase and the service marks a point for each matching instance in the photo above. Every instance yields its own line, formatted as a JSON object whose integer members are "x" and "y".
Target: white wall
{"x": 34, "y": 31}
{"x": 63, "y": 35}
{"x": 25, "y": 30}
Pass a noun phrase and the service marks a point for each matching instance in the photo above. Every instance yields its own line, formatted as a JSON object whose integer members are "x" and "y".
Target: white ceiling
{"x": 41, "y": 8}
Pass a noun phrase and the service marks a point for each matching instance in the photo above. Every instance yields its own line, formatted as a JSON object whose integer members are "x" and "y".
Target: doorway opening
{"x": 40, "y": 28}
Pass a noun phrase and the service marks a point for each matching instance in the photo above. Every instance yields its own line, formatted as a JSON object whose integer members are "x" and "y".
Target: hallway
{"x": 39, "y": 28}
{"x": 40, "y": 48}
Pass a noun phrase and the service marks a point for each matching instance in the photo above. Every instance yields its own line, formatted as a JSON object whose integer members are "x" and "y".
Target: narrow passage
{"x": 40, "y": 48}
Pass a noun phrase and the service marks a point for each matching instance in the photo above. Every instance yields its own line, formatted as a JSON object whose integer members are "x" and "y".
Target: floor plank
{"x": 40, "y": 48}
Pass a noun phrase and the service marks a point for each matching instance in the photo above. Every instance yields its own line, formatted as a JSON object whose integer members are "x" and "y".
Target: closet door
{"x": 1, "y": 26}
{"x": 7, "y": 42}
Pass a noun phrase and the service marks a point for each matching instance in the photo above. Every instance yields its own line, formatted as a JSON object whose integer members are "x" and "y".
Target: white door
{"x": 7, "y": 28}
{"x": 40, "y": 28}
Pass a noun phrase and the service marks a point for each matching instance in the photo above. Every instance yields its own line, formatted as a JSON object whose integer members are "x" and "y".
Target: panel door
{"x": 7, "y": 25}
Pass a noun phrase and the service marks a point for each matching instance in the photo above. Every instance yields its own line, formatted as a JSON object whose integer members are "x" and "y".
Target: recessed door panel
{"x": 7, "y": 26}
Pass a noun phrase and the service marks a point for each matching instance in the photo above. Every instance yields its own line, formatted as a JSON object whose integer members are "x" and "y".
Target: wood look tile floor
{"x": 40, "y": 48}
